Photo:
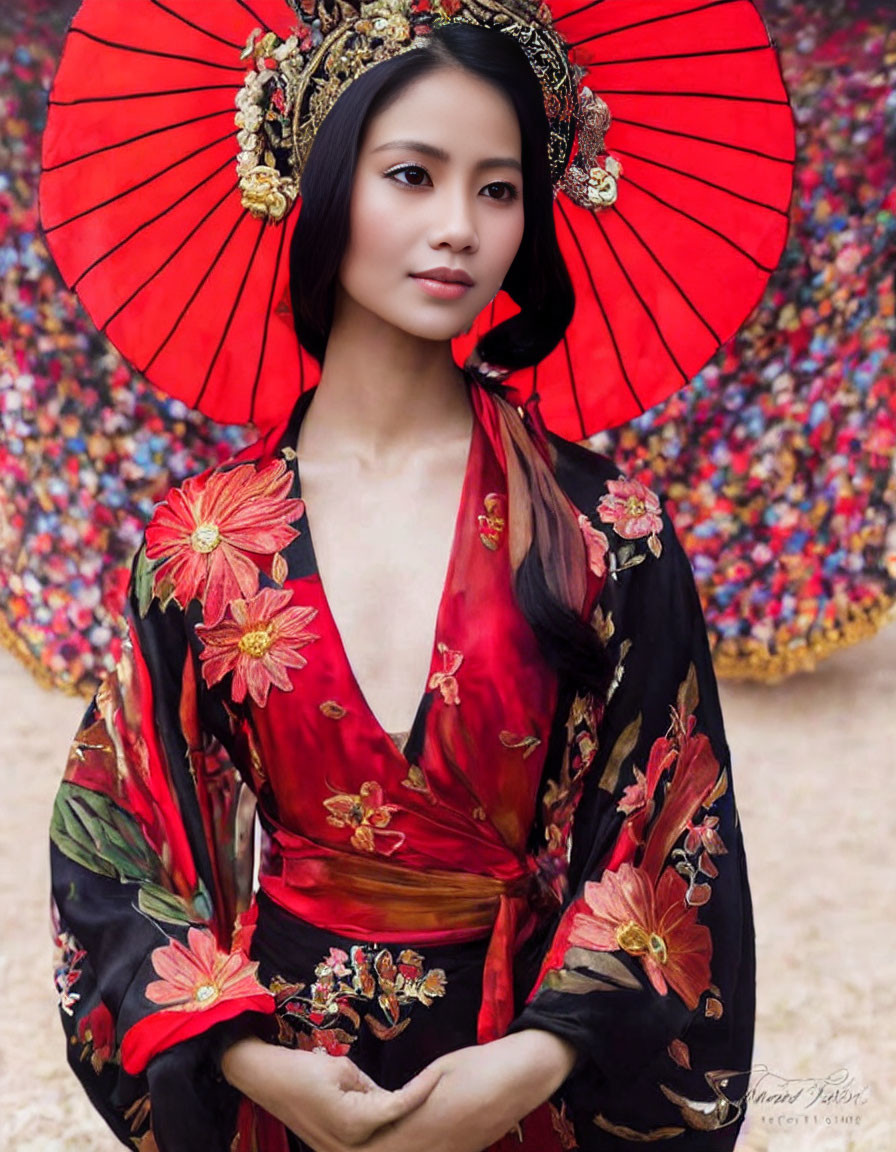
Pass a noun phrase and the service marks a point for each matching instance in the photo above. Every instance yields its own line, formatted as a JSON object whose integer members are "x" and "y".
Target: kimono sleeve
{"x": 648, "y": 967}
{"x": 151, "y": 847}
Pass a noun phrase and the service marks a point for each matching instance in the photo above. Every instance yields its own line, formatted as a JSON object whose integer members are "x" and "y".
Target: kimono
{"x": 529, "y": 854}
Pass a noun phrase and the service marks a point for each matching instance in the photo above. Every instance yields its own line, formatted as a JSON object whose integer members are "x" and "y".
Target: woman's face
{"x": 437, "y": 205}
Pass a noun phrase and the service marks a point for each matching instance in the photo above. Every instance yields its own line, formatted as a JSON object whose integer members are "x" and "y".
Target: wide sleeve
{"x": 151, "y": 846}
{"x": 647, "y": 965}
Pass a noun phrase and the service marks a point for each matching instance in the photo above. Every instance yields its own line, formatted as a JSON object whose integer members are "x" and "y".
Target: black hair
{"x": 537, "y": 280}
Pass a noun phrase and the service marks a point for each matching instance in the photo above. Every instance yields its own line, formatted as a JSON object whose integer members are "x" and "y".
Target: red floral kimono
{"x": 527, "y": 855}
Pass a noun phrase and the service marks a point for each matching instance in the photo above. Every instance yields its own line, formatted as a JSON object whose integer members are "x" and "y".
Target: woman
{"x": 437, "y": 952}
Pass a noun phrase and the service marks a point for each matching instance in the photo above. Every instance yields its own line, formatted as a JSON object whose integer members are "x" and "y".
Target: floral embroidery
{"x": 328, "y": 1018}
{"x": 634, "y": 510}
{"x": 596, "y": 545}
{"x": 68, "y": 971}
{"x": 332, "y": 709}
{"x": 368, "y": 815}
{"x": 96, "y": 1031}
{"x": 214, "y": 533}
{"x": 196, "y": 975}
{"x": 561, "y": 797}
{"x": 257, "y": 644}
{"x": 512, "y": 740}
{"x": 445, "y": 680}
{"x": 656, "y": 925}
{"x": 417, "y": 782}
{"x": 492, "y": 522}
{"x": 563, "y": 1127}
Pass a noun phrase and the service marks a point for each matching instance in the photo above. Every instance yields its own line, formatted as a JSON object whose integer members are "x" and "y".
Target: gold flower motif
{"x": 266, "y": 193}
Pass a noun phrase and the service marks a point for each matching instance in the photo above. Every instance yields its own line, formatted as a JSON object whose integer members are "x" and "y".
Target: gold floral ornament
{"x": 291, "y": 84}
{"x": 592, "y": 179}
{"x": 446, "y": 680}
{"x": 368, "y": 815}
{"x": 493, "y": 520}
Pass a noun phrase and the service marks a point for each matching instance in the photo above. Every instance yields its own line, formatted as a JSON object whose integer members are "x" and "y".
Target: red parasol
{"x": 140, "y": 204}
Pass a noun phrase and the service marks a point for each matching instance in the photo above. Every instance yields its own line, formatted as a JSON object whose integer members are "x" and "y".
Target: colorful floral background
{"x": 777, "y": 462}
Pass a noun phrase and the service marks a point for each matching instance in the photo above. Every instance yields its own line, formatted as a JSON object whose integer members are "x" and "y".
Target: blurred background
{"x": 777, "y": 462}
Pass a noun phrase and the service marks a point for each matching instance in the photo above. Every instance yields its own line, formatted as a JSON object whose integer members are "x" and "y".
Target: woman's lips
{"x": 442, "y": 289}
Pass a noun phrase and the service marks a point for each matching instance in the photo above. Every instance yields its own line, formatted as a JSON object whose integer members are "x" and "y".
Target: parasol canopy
{"x": 140, "y": 203}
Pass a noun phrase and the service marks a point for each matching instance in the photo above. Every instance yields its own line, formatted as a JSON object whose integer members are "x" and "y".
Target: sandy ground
{"x": 813, "y": 763}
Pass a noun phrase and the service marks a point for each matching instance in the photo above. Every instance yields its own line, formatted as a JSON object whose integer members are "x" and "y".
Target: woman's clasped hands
{"x": 462, "y": 1102}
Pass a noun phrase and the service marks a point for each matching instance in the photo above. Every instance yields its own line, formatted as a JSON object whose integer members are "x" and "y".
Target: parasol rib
{"x": 705, "y": 140}
{"x": 702, "y": 223}
{"x": 254, "y": 15}
{"x": 783, "y": 103}
{"x": 662, "y": 267}
{"x": 142, "y": 183}
{"x": 228, "y": 111}
{"x": 152, "y": 220}
{"x": 205, "y": 275}
{"x": 236, "y": 303}
{"x": 192, "y": 24}
{"x": 701, "y": 180}
{"x": 648, "y": 310}
{"x": 649, "y": 20}
{"x": 583, "y": 432}
{"x": 671, "y": 56}
{"x": 264, "y": 335}
{"x": 600, "y": 305}
{"x": 228, "y": 192}
{"x": 155, "y": 52}
{"x": 143, "y": 95}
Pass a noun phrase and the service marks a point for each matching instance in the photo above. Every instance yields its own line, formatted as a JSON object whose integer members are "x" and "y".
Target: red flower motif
{"x": 215, "y": 533}
{"x": 196, "y": 975}
{"x": 257, "y": 644}
{"x": 596, "y": 544}
{"x": 445, "y": 680}
{"x": 632, "y": 508}
{"x": 658, "y": 926}
{"x": 96, "y": 1031}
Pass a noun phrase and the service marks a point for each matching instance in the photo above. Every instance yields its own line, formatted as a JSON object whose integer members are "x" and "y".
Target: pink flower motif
{"x": 635, "y": 796}
{"x": 445, "y": 680}
{"x": 706, "y": 835}
{"x": 633, "y": 509}
{"x": 216, "y": 531}
{"x": 196, "y": 975}
{"x": 657, "y": 926}
{"x": 596, "y": 544}
{"x": 257, "y": 644}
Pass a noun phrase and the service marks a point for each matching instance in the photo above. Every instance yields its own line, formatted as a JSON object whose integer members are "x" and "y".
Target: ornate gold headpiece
{"x": 292, "y": 84}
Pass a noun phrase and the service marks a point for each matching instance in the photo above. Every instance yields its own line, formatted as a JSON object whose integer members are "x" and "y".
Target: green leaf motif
{"x": 96, "y": 833}
{"x": 161, "y": 904}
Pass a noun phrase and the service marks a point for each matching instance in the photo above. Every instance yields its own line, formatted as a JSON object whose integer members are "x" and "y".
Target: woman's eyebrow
{"x": 441, "y": 154}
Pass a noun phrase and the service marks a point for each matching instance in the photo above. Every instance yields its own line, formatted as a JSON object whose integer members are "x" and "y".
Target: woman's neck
{"x": 383, "y": 391}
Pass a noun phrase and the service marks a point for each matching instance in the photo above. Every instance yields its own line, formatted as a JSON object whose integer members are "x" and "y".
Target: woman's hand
{"x": 325, "y": 1100}
{"x": 482, "y": 1092}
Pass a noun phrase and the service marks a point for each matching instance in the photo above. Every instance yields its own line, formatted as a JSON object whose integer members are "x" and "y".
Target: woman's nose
{"x": 454, "y": 224}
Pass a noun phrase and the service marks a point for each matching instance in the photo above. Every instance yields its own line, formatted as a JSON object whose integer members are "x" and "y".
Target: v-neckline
{"x": 460, "y": 516}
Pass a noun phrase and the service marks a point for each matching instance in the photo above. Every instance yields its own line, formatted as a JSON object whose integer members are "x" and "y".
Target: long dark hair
{"x": 537, "y": 280}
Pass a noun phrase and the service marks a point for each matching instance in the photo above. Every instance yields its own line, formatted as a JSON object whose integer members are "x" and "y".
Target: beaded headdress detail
{"x": 291, "y": 84}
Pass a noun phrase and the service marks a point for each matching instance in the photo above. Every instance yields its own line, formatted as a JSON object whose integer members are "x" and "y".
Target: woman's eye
{"x": 500, "y": 190}
{"x": 410, "y": 174}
